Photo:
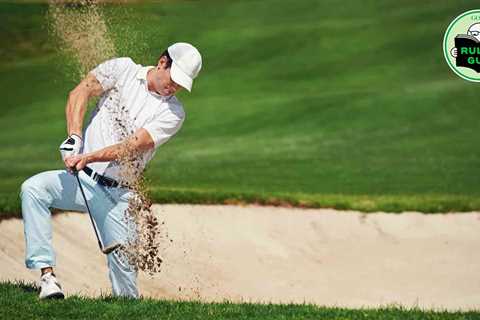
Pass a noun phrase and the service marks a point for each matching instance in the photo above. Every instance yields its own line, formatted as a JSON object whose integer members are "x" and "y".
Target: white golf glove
{"x": 71, "y": 146}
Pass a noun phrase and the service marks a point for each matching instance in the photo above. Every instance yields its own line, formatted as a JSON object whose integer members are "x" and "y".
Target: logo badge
{"x": 461, "y": 45}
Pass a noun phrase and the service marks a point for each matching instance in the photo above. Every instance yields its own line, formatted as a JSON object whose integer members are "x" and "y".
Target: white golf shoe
{"x": 49, "y": 287}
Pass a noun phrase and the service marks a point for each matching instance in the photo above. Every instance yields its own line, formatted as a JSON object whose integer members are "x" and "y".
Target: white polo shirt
{"x": 125, "y": 106}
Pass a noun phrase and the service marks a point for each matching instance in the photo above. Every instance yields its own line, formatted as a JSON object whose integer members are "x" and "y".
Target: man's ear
{"x": 162, "y": 63}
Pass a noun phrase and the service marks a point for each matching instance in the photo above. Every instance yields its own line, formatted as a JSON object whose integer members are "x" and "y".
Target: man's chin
{"x": 163, "y": 93}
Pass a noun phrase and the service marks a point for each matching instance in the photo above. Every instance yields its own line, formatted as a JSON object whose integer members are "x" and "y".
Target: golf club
{"x": 105, "y": 250}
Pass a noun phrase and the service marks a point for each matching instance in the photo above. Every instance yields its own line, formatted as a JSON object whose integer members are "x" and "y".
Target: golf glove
{"x": 71, "y": 146}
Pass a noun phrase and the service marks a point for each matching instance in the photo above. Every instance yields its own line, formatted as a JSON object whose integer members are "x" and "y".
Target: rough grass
{"x": 19, "y": 301}
{"x": 299, "y": 103}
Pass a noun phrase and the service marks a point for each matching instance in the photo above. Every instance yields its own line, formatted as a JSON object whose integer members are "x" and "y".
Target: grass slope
{"x": 299, "y": 102}
{"x": 19, "y": 301}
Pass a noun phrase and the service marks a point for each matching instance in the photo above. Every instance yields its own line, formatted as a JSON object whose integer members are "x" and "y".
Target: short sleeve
{"x": 163, "y": 127}
{"x": 108, "y": 72}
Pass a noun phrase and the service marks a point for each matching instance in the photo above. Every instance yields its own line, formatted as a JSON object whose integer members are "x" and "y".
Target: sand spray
{"x": 81, "y": 31}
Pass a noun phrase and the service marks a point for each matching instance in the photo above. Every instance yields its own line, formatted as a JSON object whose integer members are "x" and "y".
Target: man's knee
{"x": 28, "y": 187}
{"x": 35, "y": 187}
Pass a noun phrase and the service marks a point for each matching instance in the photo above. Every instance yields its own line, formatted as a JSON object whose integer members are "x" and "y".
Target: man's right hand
{"x": 71, "y": 146}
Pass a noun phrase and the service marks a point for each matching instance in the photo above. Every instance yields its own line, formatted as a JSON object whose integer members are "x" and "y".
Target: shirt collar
{"x": 142, "y": 75}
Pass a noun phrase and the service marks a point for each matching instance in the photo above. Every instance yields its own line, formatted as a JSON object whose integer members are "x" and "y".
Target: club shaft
{"x": 100, "y": 244}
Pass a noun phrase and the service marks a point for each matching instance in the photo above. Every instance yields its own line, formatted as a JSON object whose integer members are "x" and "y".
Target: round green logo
{"x": 461, "y": 45}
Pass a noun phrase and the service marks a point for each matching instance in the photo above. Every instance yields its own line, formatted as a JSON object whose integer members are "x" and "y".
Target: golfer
{"x": 145, "y": 96}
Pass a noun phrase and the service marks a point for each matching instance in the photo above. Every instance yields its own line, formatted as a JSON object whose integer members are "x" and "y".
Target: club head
{"x": 110, "y": 248}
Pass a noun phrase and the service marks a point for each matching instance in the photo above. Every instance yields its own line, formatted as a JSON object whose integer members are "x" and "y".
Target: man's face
{"x": 161, "y": 82}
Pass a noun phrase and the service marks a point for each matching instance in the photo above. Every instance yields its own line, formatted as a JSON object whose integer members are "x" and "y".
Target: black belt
{"x": 104, "y": 181}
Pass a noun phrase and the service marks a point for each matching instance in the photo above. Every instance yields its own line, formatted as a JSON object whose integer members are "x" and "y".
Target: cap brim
{"x": 181, "y": 77}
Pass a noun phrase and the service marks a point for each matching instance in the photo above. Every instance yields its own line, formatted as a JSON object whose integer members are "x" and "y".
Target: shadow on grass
{"x": 27, "y": 287}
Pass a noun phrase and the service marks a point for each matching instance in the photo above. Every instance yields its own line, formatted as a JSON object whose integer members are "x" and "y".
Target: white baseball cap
{"x": 186, "y": 63}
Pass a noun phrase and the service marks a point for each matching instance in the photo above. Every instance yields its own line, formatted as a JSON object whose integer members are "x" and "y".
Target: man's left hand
{"x": 76, "y": 162}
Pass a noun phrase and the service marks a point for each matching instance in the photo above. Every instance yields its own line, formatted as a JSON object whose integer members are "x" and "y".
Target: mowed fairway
{"x": 349, "y": 106}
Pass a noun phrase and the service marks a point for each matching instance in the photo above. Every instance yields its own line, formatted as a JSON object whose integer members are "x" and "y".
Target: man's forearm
{"x": 75, "y": 111}
{"x": 109, "y": 153}
{"x": 130, "y": 148}
{"x": 140, "y": 142}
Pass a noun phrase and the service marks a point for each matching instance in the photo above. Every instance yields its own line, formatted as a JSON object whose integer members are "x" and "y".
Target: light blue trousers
{"x": 59, "y": 189}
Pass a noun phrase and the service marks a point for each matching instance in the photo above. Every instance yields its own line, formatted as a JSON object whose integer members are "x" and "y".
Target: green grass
{"x": 299, "y": 102}
{"x": 19, "y": 301}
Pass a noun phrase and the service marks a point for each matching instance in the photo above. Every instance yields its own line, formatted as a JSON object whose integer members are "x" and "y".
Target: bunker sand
{"x": 281, "y": 255}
